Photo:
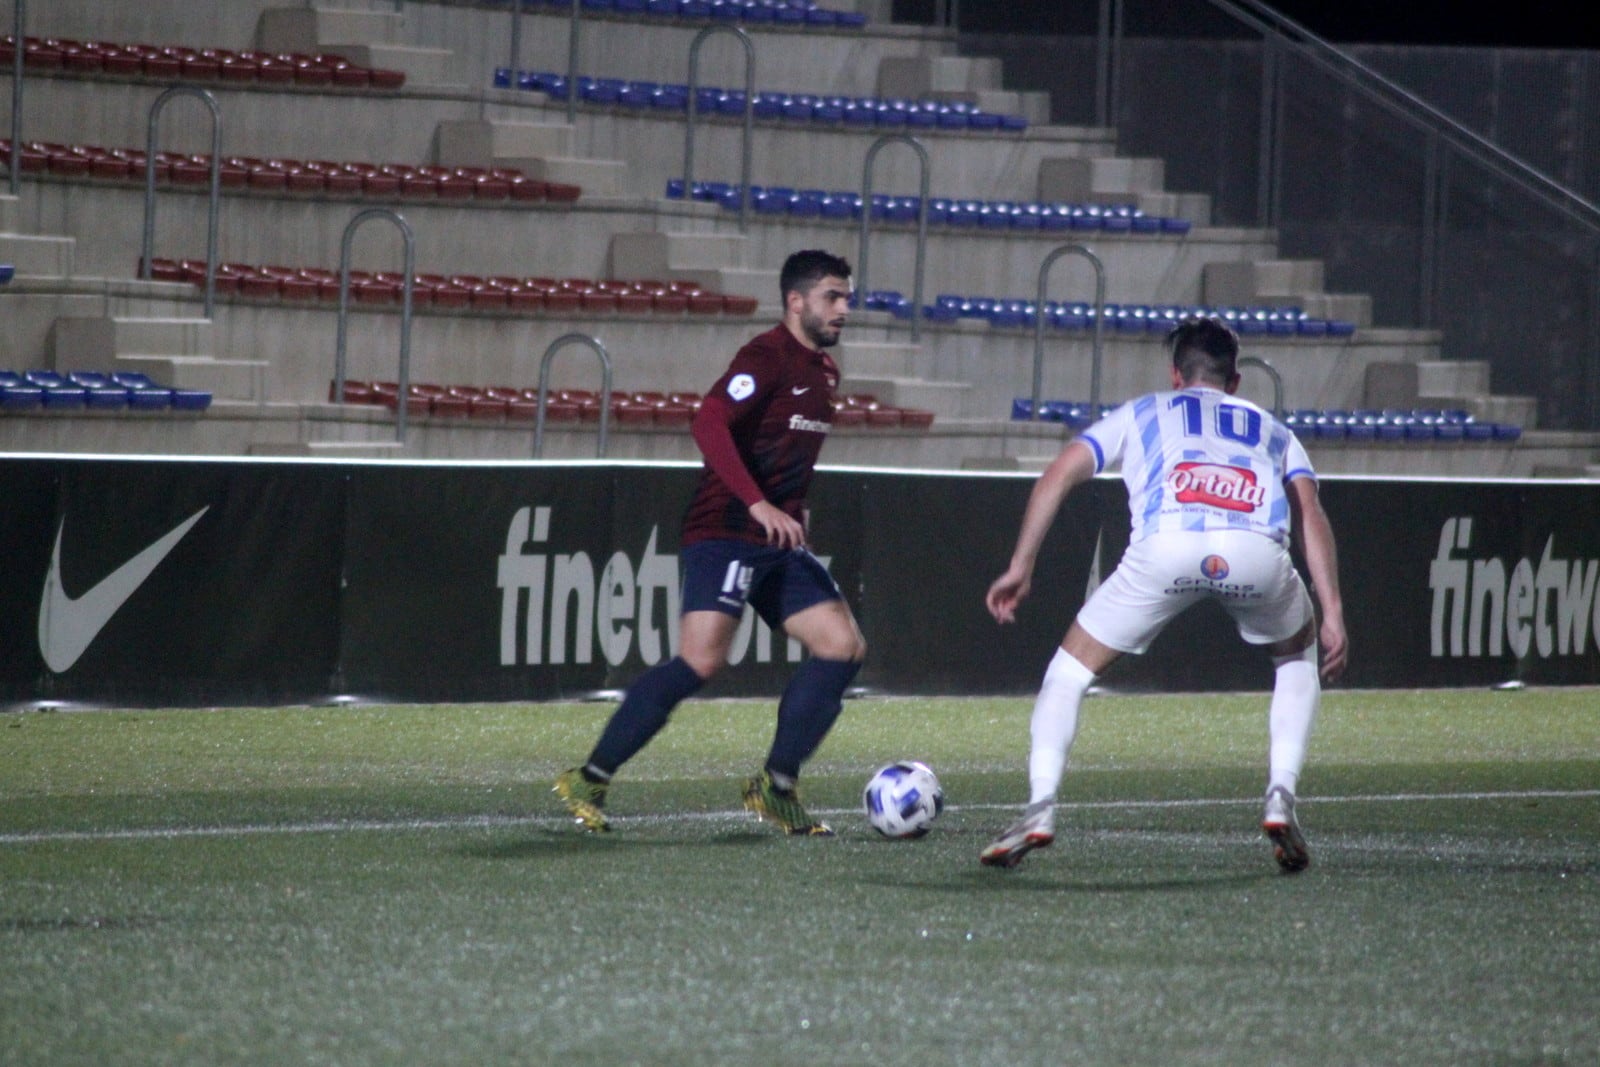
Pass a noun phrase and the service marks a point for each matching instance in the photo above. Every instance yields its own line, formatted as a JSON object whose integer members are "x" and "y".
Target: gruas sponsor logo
{"x": 1216, "y": 485}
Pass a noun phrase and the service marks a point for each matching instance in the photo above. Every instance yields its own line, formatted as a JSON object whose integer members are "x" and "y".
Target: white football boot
{"x": 1036, "y": 829}
{"x": 1279, "y": 824}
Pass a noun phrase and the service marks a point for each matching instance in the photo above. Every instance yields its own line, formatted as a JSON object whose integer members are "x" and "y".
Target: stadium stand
{"x": 553, "y": 228}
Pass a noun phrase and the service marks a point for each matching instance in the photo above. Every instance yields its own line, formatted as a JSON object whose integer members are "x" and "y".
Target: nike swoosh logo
{"x": 798, "y": 390}
{"x": 68, "y": 625}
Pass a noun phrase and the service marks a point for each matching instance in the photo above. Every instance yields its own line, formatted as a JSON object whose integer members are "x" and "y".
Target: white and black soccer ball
{"x": 902, "y": 799}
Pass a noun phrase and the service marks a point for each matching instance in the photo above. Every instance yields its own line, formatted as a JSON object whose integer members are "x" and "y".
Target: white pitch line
{"x": 485, "y": 822}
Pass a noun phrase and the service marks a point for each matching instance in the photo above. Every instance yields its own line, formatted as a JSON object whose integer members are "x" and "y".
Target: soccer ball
{"x": 902, "y": 799}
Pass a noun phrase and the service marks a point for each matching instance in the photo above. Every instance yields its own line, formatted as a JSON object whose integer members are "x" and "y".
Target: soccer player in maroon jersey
{"x": 760, "y": 428}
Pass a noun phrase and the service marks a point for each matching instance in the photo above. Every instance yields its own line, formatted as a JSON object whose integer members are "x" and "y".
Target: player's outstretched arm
{"x": 1074, "y": 466}
{"x": 1314, "y": 536}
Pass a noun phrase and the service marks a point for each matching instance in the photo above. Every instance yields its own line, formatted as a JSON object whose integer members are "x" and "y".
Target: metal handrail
{"x": 572, "y": 63}
{"x": 544, "y": 387}
{"x": 1406, "y": 105}
{"x": 862, "y": 244}
{"x": 1097, "y": 355}
{"x": 514, "y": 61}
{"x": 749, "y": 116}
{"x": 404, "y": 375}
{"x": 1277, "y": 382}
{"x": 214, "y": 200}
{"x": 14, "y": 163}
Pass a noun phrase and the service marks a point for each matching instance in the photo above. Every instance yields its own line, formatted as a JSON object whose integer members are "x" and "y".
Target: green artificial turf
{"x": 396, "y": 885}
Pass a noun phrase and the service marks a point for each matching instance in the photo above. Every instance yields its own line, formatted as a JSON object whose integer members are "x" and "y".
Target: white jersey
{"x": 1200, "y": 459}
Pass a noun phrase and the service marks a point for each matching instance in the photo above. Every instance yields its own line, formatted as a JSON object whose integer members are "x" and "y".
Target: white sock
{"x": 1296, "y": 694}
{"x": 1055, "y": 723}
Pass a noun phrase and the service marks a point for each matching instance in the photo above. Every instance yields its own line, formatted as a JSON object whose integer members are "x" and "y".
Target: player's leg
{"x": 1284, "y": 608}
{"x": 704, "y": 640}
{"x": 1296, "y": 697}
{"x": 715, "y": 583}
{"x": 814, "y": 697}
{"x": 813, "y": 612}
{"x": 1123, "y": 615}
{"x": 1052, "y": 729}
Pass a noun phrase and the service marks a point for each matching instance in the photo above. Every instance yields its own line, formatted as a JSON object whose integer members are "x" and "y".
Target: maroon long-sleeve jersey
{"x": 760, "y": 428}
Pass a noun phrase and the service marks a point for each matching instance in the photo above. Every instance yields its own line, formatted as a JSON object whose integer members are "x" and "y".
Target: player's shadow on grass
{"x": 1035, "y": 881}
{"x": 552, "y": 843}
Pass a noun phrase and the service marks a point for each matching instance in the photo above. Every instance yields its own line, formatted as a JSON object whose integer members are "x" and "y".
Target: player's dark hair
{"x": 1204, "y": 349}
{"x": 806, "y": 268}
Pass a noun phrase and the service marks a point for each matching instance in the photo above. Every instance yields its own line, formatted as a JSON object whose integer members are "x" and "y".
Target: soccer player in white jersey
{"x": 1217, "y": 488}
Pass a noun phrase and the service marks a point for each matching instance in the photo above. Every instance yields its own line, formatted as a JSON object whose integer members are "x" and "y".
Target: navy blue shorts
{"x": 777, "y": 582}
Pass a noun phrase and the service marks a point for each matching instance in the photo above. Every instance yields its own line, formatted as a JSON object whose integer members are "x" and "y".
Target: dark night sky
{"x": 1535, "y": 24}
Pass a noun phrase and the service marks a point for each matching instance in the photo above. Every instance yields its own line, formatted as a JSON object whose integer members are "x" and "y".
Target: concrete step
{"x": 431, "y": 67}
{"x": 228, "y": 379}
{"x": 1032, "y": 463}
{"x": 1461, "y": 383}
{"x": 1520, "y": 411}
{"x": 597, "y": 177}
{"x": 1101, "y": 179}
{"x": 736, "y": 281}
{"x": 878, "y": 358}
{"x": 1354, "y": 308}
{"x": 96, "y": 343}
{"x": 329, "y": 449}
{"x": 1281, "y": 283}
{"x": 918, "y": 77}
{"x": 664, "y": 255}
{"x": 310, "y": 29}
{"x": 942, "y": 398}
{"x": 1453, "y": 378}
{"x": 38, "y": 257}
{"x": 485, "y": 143}
{"x": 1196, "y": 207}
{"x": 1034, "y": 106}
{"x": 368, "y": 38}
{"x": 1562, "y": 470}
{"x": 1246, "y": 282}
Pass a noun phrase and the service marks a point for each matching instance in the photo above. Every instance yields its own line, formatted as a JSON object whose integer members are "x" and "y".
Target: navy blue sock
{"x": 643, "y": 713}
{"x": 811, "y": 702}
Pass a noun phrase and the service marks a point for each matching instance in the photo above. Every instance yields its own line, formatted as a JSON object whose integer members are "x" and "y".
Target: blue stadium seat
{"x": 58, "y": 391}
{"x": 143, "y": 393}
{"x": 103, "y": 394}
{"x": 17, "y": 393}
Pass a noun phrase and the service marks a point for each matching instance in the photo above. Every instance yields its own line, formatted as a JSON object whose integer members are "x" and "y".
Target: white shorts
{"x": 1251, "y": 576}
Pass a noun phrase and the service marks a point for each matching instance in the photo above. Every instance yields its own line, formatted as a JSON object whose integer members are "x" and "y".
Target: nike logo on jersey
{"x": 801, "y": 389}
{"x": 68, "y": 625}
